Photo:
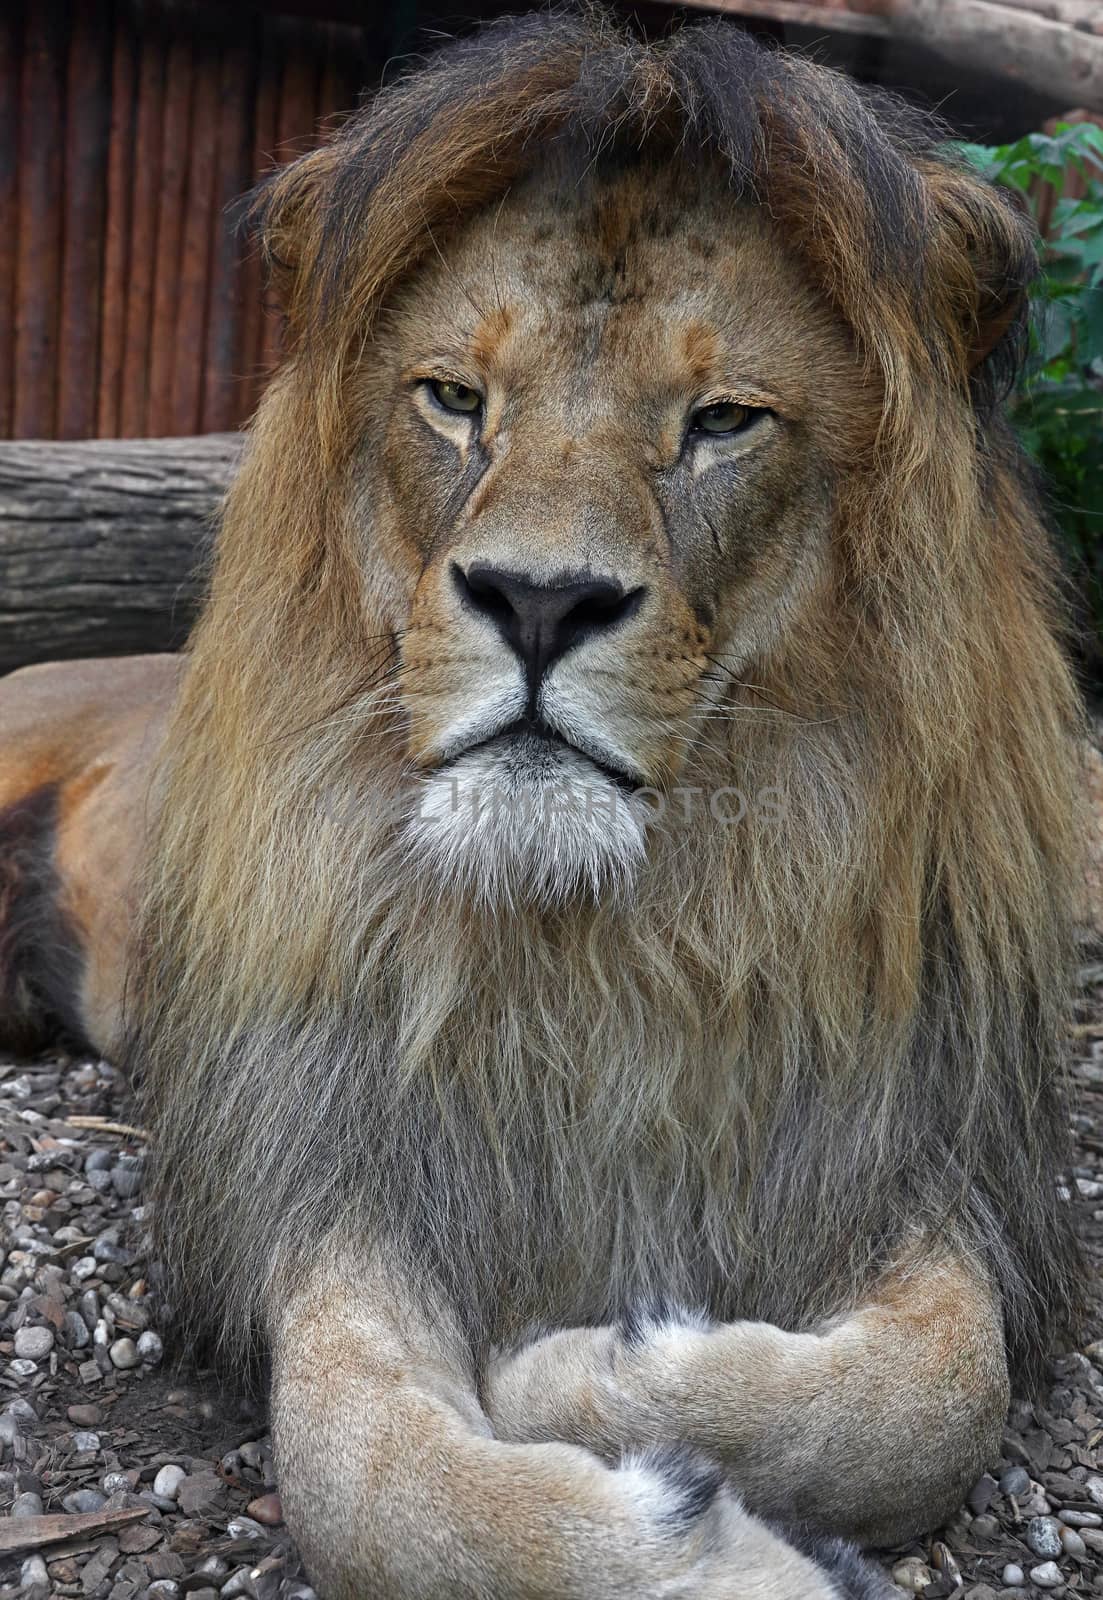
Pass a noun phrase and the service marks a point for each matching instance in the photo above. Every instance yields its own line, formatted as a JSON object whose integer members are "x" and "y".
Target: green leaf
{"x": 1057, "y": 409}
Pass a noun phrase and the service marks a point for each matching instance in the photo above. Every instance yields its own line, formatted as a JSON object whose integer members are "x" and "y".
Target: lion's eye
{"x": 455, "y": 396}
{"x": 723, "y": 417}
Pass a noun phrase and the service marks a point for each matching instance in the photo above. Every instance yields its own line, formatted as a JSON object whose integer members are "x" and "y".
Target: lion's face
{"x": 609, "y": 427}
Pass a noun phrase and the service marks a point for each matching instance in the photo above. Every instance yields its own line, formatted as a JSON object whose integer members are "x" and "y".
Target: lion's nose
{"x": 542, "y": 621}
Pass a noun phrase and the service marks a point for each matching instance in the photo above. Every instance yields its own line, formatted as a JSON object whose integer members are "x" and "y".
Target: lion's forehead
{"x": 625, "y": 288}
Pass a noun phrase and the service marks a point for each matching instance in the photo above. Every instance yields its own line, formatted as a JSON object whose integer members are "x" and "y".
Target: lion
{"x": 605, "y": 857}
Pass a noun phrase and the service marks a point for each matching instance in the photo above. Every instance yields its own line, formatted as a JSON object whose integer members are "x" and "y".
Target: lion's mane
{"x": 794, "y": 1046}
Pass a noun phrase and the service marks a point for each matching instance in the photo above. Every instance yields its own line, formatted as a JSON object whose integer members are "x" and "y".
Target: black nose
{"x": 542, "y": 621}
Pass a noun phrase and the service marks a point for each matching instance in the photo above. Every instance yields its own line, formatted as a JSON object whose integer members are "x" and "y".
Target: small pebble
{"x": 27, "y": 1504}
{"x": 33, "y": 1574}
{"x": 1047, "y": 1576}
{"x": 1016, "y": 1481}
{"x": 106, "y": 1247}
{"x": 167, "y": 1482}
{"x": 85, "y": 1416}
{"x": 32, "y": 1344}
{"x": 76, "y": 1331}
{"x": 84, "y": 1500}
{"x": 1081, "y": 1519}
{"x": 245, "y": 1528}
{"x": 982, "y": 1494}
{"x": 150, "y": 1347}
{"x": 944, "y": 1562}
{"x": 266, "y": 1509}
{"x": 127, "y": 1176}
{"x": 986, "y": 1527}
{"x": 85, "y": 1441}
{"x": 1094, "y": 1487}
{"x": 1036, "y": 1503}
{"x": 1073, "y": 1543}
{"x": 159, "y": 1502}
{"x": 1043, "y": 1535}
{"x": 124, "y": 1354}
{"x": 913, "y": 1575}
{"x": 1012, "y": 1575}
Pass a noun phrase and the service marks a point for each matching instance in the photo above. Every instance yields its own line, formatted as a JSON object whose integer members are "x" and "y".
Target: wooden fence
{"x": 130, "y": 299}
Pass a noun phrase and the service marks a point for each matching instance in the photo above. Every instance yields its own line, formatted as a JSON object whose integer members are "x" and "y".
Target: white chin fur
{"x": 526, "y": 822}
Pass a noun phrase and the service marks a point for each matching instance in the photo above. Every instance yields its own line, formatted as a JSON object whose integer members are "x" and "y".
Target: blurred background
{"x": 132, "y": 305}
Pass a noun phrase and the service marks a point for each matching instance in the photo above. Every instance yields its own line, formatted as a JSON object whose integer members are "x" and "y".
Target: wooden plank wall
{"x": 131, "y": 303}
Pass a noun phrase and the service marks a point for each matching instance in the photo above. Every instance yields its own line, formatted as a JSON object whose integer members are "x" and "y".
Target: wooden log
{"x": 1054, "y": 47}
{"x": 1084, "y": 14}
{"x": 103, "y": 543}
{"x": 86, "y": 146}
{"x": 803, "y": 14}
{"x": 1051, "y": 57}
{"x": 31, "y": 1533}
{"x": 116, "y": 253}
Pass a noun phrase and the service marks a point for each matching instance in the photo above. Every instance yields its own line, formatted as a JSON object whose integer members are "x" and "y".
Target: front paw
{"x": 557, "y": 1386}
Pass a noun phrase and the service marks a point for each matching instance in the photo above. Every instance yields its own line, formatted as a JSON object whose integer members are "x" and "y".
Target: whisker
{"x": 328, "y": 718}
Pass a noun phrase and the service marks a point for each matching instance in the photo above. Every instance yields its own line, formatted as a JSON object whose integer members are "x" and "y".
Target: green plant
{"x": 1058, "y": 404}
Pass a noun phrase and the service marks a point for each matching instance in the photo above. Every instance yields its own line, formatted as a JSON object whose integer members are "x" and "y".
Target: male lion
{"x": 604, "y": 1171}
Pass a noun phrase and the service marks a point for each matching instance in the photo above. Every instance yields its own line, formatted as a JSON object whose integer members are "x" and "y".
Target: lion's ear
{"x": 287, "y": 213}
{"x": 1005, "y": 260}
{"x": 985, "y": 261}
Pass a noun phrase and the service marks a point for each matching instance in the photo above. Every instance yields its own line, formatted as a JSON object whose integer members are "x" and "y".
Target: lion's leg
{"x": 873, "y": 1426}
{"x": 395, "y": 1486}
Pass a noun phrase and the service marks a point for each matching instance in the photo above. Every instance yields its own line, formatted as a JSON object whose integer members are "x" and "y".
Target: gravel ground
{"x": 120, "y": 1479}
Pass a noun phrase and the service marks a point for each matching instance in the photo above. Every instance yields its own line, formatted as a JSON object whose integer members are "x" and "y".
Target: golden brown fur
{"x": 76, "y": 744}
{"x": 794, "y": 1073}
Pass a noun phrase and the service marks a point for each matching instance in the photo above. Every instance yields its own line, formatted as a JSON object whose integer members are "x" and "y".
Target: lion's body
{"x": 76, "y": 745}
{"x": 791, "y": 1067}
